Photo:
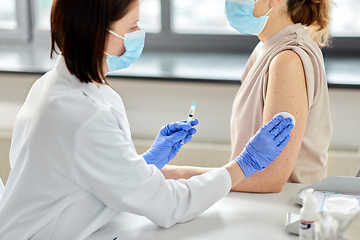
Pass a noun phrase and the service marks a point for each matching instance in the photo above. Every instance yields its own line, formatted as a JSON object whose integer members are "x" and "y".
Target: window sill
{"x": 342, "y": 72}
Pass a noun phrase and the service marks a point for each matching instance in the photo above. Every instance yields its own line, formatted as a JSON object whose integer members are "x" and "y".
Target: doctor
{"x": 74, "y": 166}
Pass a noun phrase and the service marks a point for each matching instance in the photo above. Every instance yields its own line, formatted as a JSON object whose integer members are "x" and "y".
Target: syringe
{"x": 191, "y": 112}
{"x": 190, "y": 117}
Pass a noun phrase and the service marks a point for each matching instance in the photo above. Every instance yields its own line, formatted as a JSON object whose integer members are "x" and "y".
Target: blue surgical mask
{"x": 239, "y": 14}
{"x": 134, "y": 45}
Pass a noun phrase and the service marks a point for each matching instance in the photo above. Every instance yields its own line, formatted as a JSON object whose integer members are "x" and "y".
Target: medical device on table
{"x": 308, "y": 216}
{"x": 324, "y": 189}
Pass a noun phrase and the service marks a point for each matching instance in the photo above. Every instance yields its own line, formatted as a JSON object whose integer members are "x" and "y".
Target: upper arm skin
{"x": 286, "y": 92}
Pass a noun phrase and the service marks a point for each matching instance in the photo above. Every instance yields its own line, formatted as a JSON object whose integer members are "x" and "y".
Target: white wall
{"x": 150, "y": 104}
{"x": 345, "y": 114}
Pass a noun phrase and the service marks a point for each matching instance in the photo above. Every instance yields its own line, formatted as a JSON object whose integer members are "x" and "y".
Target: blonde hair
{"x": 315, "y": 15}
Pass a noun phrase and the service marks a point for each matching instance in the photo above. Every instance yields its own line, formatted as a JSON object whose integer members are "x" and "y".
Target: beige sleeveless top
{"x": 247, "y": 111}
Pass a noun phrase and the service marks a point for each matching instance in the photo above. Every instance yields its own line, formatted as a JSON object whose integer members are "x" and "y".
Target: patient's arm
{"x": 286, "y": 93}
{"x": 184, "y": 172}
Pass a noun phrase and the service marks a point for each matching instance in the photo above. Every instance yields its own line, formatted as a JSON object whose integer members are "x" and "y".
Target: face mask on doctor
{"x": 239, "y": 14}
{"x": 134, "y": 45}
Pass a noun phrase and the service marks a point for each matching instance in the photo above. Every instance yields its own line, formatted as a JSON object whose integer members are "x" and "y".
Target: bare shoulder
{"x": 285, "y": 66}
{"x": 287, "y": 60}
{"x": 286, "y": 87}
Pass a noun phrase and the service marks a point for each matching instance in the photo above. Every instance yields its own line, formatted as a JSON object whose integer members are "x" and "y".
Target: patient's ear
{"x": 274, "y": 3}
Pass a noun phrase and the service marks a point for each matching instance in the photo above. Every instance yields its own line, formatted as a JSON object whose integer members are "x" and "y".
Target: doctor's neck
{"x": 97, "y": 84}
{"x": 105, "y": 71}
{"x": 278, "y": 20}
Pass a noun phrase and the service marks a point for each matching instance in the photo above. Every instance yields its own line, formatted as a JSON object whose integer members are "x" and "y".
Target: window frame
{"x": 165, "y": 40}
{"x": 39, "y": 36}
{"x": 21, "y": 34}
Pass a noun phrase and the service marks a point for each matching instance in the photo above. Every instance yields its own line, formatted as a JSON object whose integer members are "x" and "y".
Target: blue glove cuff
{"x": 244, "y": 161}
{"x": 149, "y": 159}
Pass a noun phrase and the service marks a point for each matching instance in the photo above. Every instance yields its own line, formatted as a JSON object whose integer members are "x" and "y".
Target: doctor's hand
{"x": 168, "y": 142}
{"x": 265, "y": 145}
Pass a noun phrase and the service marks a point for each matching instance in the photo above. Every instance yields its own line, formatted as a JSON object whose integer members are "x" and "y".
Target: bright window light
{"x": 207, "y": 17}
{"x": 150, "y": 15}
{"x": 345, "y": 20}
{"x": 8, "y": 14}
{"x": 200, "y": 17}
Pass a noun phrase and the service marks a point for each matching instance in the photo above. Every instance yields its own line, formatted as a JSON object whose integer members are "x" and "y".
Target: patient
{"x": 285, "y": 73}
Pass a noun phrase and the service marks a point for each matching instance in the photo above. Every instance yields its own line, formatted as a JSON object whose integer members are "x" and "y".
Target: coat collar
{"x": 89, "y": 89}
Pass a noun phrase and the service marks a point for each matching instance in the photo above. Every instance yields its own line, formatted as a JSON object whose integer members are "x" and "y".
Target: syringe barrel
{"x": 191, "y": 114}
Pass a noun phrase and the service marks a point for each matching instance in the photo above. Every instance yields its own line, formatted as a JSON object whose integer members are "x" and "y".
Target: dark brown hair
{"x": 313, "y": 14}
{"x": 79, "y": 30}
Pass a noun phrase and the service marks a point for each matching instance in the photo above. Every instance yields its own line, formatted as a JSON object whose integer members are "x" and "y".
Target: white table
{"x": 237, "y": 216}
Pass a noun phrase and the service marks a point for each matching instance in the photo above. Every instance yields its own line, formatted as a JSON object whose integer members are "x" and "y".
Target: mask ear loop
{"x": 268, "y": 11}
{"x": 115, "y": 34}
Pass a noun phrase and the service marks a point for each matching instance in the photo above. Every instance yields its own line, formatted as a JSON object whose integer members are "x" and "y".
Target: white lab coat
{"x": 75, "y": 168}
{"x": 1, "y": 188}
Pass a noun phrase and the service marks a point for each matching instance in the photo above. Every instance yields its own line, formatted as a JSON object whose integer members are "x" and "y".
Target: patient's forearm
{"x": 183, "y": 172}
{"x": 259, "y": 182}
{"x": 186, "y": 172}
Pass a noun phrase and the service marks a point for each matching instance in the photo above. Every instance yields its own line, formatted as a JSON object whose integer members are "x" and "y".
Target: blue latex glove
{"x": 265, "y": 145}
{"x": 168, "y": 142}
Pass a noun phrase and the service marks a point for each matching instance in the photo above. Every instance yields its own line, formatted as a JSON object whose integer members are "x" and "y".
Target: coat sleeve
{"x": 106, "y": 164}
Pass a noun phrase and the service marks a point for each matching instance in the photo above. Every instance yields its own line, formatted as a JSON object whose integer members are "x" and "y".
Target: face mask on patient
{"x": 239, "y": 14}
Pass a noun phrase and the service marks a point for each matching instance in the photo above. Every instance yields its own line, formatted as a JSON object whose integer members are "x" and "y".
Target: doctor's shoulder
{"x": 61, "y": 100}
